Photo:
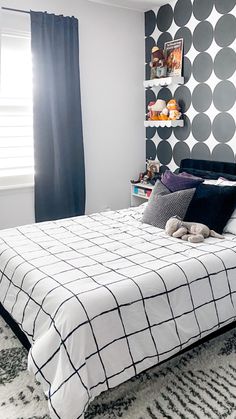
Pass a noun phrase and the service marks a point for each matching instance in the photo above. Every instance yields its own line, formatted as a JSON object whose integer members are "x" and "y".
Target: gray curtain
{"x": 58, "y": 137}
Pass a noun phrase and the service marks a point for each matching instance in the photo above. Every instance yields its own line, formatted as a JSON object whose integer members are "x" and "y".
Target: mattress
{"x": 103, "y": 297}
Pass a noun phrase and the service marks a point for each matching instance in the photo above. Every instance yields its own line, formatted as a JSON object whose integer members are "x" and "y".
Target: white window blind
{"x": 16, "y": 119}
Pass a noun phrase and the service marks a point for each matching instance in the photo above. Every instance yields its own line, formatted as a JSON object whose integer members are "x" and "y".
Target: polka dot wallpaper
{"x": 207, "y": 98}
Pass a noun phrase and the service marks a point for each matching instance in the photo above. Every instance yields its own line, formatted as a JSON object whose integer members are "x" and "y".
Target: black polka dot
{"x": 202, "y": 67}
{"x": 150, "y": 132}
{"x": 183, "y": 97}
{"x": 147, "y": 72}
{"x": 163, "y": 168}
{"x": 182, "y": 12}
{"x": 181, "y": 151}
{"x": 164, "y": 17}
{"x": 150, "y": 22}
{"x": 164, "y": 37}
{"x": 164, "y": 132}
{"x": 202, "y": 97}
{"x": 200, "y": 151}
{"x": 165, "y": 94}
{"x": 224, "y": 95}
{"x": 202, "y": 8}
{"x": 201, "y": 127}
{"x": 182, "y": 133}
{"x": 186, "y": 34}
{"x": 151, "y": 150}
{"x": 225, "y": 30}
{"x": 224, "y": 6}
{"x": 225, "y": 63}
{"x": 223, "y": 152}
{"x": 164, "y": 152}
{"x": 150, "y": 97}
{"x": 203, "y": 36}
{"x": 187, "y": 69}
{"x": 149, "y": 44}
{"x": 223, "y": 127}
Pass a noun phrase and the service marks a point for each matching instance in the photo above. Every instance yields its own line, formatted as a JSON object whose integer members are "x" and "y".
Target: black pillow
{"x": 207, "y": 174}
{"x": 212, "y": 205}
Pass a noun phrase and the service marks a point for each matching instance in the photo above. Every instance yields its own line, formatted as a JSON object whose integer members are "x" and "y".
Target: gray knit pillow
{"x": 164, "y": 204}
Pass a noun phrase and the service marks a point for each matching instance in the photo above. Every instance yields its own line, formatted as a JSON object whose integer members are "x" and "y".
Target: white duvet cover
{"x": 103, "y": 297}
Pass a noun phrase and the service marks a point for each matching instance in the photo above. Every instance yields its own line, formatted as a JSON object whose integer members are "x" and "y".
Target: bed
{"x": 101, "y": 298}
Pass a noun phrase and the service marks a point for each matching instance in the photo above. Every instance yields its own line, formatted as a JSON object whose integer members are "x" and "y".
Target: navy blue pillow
{"x": 207, "y": 174}
{"x": 212, "y": 205}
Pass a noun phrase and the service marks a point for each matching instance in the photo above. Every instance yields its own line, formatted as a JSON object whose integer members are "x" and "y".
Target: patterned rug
{"x": 198, "y": 384}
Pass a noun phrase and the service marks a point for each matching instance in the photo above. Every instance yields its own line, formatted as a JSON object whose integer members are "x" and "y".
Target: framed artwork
{"x": 174, "y": 55}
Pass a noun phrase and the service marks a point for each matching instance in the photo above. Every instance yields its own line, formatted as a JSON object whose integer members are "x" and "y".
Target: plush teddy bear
{"x": 192, "y": 232}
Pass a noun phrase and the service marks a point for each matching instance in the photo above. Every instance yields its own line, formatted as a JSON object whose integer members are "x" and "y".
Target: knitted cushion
{"x": 163, "y": 205}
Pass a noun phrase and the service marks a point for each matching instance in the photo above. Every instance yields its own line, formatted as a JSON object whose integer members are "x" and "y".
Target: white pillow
{"x": 211, "y": 182}
{"x": 231, "y": 224}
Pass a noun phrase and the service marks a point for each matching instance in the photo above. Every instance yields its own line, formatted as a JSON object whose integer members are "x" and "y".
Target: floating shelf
{"x": 168, "y": 123}
{"x": 165, "y": 81}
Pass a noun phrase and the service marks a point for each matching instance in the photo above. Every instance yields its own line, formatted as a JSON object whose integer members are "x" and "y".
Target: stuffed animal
{"x": 156, "y": 109}
{"x": 158, "y": 63}
{"x": 192, "y": 232}
{"x": 174, "y": 109}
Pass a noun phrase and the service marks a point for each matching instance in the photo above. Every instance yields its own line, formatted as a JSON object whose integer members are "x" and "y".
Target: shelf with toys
{"x": 166, "y": 69}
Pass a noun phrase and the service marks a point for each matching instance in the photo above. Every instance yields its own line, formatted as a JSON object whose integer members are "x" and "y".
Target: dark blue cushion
{"x": 212, "y": 205}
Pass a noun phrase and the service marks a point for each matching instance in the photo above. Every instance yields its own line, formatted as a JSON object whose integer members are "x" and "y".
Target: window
{"x": 16, "y": 118}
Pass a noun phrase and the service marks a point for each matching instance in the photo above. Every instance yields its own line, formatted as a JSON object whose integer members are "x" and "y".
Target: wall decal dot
{"x": 203, "y": 36}
{"x": 150, "y": 132}
{"x": 151, "y": 150}
{"x": 202, "y": 97}
{"x": 202, "y": 9}
{"x": 182, "y": 12}
{"x": 182, "y": 133}
{"x": 185, "y": 33}
{"x": 223, "y": 127}
{"x": 200, "y": 151}
{"x": 164, "y": 94}
{"x": 147, "y": 72}
{"x": 164, "y": 17}
{"x": 183, "y": 97}
{"x": 225, "y": 63}
{"x": 225, "y": 30}
{"x": 201, "y": 127}
{"x": 149, "y": 44}
{"x": 187, "y": 69}
{"x": 180, "y": 151}
{"x": 202, "y": 67}
{"x": 164, "y": 152}
{"x": 224, "y": 6}
{"x": 223, "y": 152}
{"x": 150, "y": 97}
{"x": 224, "y": 95}
{"x": 163, "y": 168}
{"x": 150, "y": 22}
{"x": 164, "y": 37}
{"x": 164, "y": 132}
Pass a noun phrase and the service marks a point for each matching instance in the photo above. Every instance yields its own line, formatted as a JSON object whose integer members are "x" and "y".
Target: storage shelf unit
{"x": 140, "y": 192}
{"x": 168, "y": 123}
{"x": 165, "y": 81}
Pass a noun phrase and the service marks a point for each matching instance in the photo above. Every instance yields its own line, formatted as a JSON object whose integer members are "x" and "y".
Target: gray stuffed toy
{"x": 192, "y": 232}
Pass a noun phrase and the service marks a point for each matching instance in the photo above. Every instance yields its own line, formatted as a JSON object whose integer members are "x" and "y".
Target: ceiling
{"x": 141, "y": 5}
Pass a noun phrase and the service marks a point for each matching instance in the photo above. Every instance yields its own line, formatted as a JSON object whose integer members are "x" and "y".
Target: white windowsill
{"x": 20, "y": 186}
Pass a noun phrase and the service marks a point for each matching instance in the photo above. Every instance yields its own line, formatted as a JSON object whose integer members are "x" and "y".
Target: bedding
{"x": 104, "y": 297}
{"x": 231, "y": 224}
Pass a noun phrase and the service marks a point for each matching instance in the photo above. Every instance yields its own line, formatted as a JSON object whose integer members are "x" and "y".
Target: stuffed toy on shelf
{"x": 160, "y": 111}
{"x": 158, "y": 63}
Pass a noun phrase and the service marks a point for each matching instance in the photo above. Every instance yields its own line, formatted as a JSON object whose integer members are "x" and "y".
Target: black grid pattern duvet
{"x": 103, "y": 297}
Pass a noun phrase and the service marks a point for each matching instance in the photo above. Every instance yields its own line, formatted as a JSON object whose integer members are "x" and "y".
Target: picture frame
{"x": 174, "y": 57}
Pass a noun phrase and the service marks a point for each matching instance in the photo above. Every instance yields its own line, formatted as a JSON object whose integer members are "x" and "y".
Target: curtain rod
{"x": 15, "y": 10}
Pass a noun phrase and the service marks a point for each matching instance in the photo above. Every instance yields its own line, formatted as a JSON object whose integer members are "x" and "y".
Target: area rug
{"x": 198, "y": 384}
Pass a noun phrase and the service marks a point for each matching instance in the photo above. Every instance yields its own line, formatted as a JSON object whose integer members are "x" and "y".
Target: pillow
{"x": 231, "y": 224}
{"x": 163, "y": 205}
{"x": 207, "y": 174}
{"x": 212, "y": 206}
{"x": 179, "y": 182}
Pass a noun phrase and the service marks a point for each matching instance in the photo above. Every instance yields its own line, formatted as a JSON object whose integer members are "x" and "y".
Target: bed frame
{"x": 213, "y": 166}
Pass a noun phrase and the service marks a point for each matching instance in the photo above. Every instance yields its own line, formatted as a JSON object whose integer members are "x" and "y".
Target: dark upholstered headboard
{"x": 208, "y": 166}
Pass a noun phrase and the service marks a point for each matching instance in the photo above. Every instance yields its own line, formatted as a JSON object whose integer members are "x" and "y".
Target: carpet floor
{"x": 198, "y": 384}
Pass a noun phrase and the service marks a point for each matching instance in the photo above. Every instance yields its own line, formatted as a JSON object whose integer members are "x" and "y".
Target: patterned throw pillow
{"x": 179, "y": 182}
{"x": 163, "y": 205}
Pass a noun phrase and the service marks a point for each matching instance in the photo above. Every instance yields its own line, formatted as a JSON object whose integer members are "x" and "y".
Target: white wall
{"x": 111, "y": 65}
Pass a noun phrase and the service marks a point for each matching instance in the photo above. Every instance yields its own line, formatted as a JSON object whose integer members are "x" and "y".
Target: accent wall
{"x": 207, "y": 98}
